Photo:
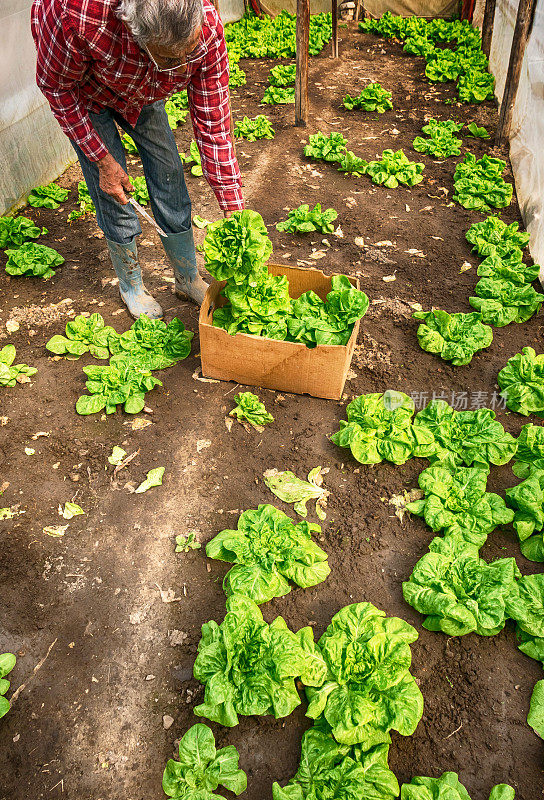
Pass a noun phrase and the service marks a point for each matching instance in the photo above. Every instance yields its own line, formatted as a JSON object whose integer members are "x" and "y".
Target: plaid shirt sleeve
{"x": 61, "y": 65}
{"x": 208, "y": 94}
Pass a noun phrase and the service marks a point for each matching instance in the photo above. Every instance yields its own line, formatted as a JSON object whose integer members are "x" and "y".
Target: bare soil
{"x": 88, "y": 722}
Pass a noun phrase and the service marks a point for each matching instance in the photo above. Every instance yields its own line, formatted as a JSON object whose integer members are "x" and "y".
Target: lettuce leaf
{"x": 500, "y": 302}
{"x": 253, "y": 129}
{"x": 236, "y": 248}
{"x": 493, "y": 237}
{"x": 283, "y": 75}
{"x": 151, "y": 343}
{"x": 273, "y": 37}
{"x": 527, "y": 500}
{"x": 83, "y": 335}
{"x": 315, "y": 321}
{"x": 268, "y": 299}
{"x": 441, "y": 142}
{"x": 33, "y": 259}
{"x": 249, "y": 408}
{"x": 532, "y": 646}
{"x": 304, "y": 220}
{"x": 419, "y": 46}
{"x": 522, "y": 382}
{"x": 50, "y": 196}
{"x": 344, "y": 302}
{"x": 331, "y": 770}
{"x": 471, "y": 436}
{"x": 128, "y": 144}
{"x": 478, "y": 132}
{"x": 530, "y": 452}
{"x": 352, "y": 164}
{"x": 201, "y": 768}
{"x": 479, "y": 185}
{"x": 395, "y": 168}
{"x": 455, "y": 337}
{"x": 237, "y": 77}
{"x": 86, "y": 205}
{"x": 7, "y": 662}
{"x": 525, "y": 605}
{"x": 373, "y": 98}
{"x": 18, "y": 230}
{"x": 442, "y": 66}
{"x": 268, "y": 550}
{"x": 535, "y": 718}
{"x": 10, "y": 373}
{"x": 175, "y": 111}
{"x": 275, "y": 95}
{"x": 326, "y": 148}
{"x": 379, "y": 426}
{"x": 252, "y": 324}
{"x": 448, "y": 787}
{"x": 291, "y": 489}
{"x": 459, "y": 592}
{"x": 456, "y": 502}
{"x": 509, "y": 268}
{"x": 249, "y": 667}
{"x": 476, "y": 86}
{"x": 368, "y": 689}
{"x": 124, "y": 382}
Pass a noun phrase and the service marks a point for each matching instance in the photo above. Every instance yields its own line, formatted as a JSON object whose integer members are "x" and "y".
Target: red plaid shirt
{"x": 88, "y": 60}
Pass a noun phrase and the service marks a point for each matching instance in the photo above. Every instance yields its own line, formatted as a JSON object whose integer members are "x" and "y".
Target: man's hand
{"x": 113, "y": 179}
{"x": 227, "y": 214}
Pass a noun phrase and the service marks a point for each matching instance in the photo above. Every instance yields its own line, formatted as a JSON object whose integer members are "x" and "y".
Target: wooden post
{"x": 334, "y": 53}
{"x": 303, "y": 44}
{"x": 487, "y": 25}
{"x": 521, "y": 35}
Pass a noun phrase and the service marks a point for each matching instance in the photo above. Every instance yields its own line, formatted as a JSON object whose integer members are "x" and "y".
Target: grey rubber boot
{"x": 137, "y": 299}
{"x": 180, "y": 249}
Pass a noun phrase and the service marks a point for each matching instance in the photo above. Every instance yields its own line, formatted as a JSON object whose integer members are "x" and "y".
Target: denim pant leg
{"x": 118, "y": 222}
{"x": 163, "y": 169}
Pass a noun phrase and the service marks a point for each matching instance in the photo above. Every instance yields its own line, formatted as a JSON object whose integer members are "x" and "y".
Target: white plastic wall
{"x": 231, "y": 10}
{"x": 421, "y": 8}
{"x": 407, "y": 8}
{"x": 527, "y": 133}
{"x": 33, "y": 149}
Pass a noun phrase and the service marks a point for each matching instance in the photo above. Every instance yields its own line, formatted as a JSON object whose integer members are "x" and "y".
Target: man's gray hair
{"x": 165, "y": 22}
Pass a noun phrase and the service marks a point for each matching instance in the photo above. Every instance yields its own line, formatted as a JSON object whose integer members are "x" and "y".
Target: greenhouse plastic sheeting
{"x": 33, "y": 149}
{"x": 527, "y": 132}
{"x": 231, "y": 10}
{"x": 407, "y": 8}
{"x": 275, "y": 6}
{"x": 422, "y": 8}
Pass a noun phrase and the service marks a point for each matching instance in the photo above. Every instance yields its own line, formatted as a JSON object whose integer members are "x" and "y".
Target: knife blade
{"x": 146, "y": 216}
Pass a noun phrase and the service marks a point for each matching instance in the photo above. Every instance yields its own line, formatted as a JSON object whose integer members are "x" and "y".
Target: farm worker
{"x": 103, "y": 63}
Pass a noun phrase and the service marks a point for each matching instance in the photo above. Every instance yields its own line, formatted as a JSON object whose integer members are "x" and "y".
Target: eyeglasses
{"x": 175, "y": 64}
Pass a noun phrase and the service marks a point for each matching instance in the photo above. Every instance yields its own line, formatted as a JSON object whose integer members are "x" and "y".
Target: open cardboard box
{"x": 269, "y": 363}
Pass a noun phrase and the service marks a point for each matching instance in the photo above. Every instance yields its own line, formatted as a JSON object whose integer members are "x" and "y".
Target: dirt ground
{"x": 84, "y": 612}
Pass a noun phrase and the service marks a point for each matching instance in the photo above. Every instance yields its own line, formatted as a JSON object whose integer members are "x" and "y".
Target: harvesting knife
{"x": 146, "y": 216}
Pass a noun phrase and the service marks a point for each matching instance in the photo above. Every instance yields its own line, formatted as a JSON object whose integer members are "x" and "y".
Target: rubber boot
{"x": 137, "y": 299}
{"x": 180, "y": 249}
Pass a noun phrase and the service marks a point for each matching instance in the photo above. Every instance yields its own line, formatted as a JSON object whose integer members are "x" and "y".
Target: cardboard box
{"x": 272, "y": 364}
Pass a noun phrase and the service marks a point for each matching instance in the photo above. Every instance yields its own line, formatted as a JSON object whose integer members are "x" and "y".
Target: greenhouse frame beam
{"x": 334, "y": 11}
{"x": 487, "y": 25}
{"x": 303, "y": 46}
{"x": 522, "y": 32}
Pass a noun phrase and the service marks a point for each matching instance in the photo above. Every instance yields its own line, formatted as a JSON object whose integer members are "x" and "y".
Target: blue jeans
{"x": 163, "y": 172}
